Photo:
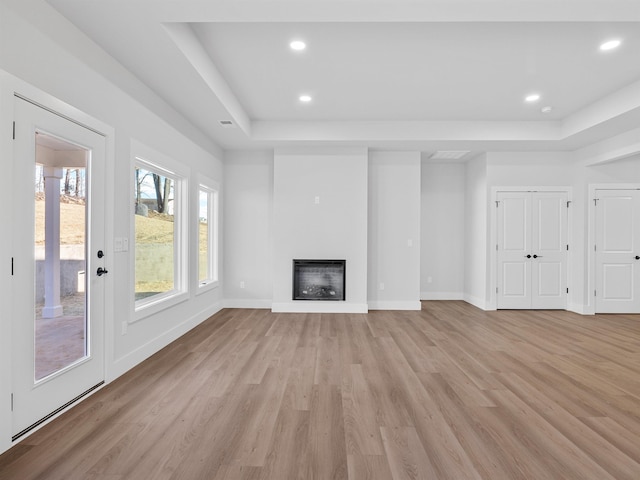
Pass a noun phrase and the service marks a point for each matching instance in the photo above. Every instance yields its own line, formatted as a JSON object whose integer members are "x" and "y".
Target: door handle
{"x": 537, "y": 256}
{"x": 637, "y": 257}
{"x": 101, "y": 271}
{"x": 528, "y": 256}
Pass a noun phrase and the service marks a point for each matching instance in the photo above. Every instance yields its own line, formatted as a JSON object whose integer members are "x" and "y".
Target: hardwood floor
{"x": 450, "y": 392}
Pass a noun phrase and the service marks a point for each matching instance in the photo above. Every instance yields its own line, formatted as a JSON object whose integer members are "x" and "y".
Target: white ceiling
{"x": 421, "y": 74}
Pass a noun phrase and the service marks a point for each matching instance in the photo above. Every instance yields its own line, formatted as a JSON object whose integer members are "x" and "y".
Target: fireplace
{"x": 319, "y": 280}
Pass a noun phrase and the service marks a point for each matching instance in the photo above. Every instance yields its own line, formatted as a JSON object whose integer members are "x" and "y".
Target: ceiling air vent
{"x": 227, "y": 123}
{"x": 449, "y": 154}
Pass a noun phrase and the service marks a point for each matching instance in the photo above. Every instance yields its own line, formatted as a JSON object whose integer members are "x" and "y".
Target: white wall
{"x": 43, "y": 50}
{"x": 248, "y": 222}
{"x": 333, "y": 227}
{"x": 524, "y": 169}
{"x": 443, "y": 231}
{"x": 394, "y": 231}
{"x": 476, "y": 232}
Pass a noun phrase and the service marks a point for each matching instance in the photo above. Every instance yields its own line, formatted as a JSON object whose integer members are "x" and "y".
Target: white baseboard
{"x": 395, "y": 306}
{"x": 581, "y": 309}
{"x": 441, "y": 296}
{"x": 475, "y": 301}
{"x": 319, "y": 307}
{"x": 126, "y": 363}
{"x": 247, "y": 303}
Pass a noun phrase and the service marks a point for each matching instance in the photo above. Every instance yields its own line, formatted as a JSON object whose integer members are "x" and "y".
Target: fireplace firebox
{"x": 319, "y": 280}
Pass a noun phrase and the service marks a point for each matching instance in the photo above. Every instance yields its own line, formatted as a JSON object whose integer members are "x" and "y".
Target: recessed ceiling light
{"x": 305, "y": 98}
{"x": 610, "y": 45}
{"x": 298, "y": 45}
{"x": 532, "y": 97}
{"x": 546, "y": 109}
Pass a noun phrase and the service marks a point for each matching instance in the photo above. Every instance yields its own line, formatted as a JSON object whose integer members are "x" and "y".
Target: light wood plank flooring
{"x": 450, "y": 392}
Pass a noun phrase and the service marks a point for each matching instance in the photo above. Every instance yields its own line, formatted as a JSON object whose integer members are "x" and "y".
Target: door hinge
{"x": 497, "y": 203}
{"x": 568, "y": 203}
{"x": 14, "y": 130}
{"x": 12, "y": 266}
{"x": 595, "y": 201}
{"x": 595, "y": 248}
{"x": 496, "y": 289}
{"x": 496, "y": 247}
{"x": 567, "y": 289}
{"x": 595, "y": 294}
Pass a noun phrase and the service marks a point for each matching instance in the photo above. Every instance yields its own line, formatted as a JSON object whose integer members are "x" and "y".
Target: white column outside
{"x": 52, "y": 306}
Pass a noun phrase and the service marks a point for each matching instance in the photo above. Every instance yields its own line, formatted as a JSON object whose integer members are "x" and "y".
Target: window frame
{"x": 212, "y": 189}
{"x": 156, "y": 162}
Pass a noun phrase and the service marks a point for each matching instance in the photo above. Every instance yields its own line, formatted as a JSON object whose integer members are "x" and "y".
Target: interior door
{"x": 532, "y": 250}
{"x": 617, "y": 251}
{"x": 59, "y": 296}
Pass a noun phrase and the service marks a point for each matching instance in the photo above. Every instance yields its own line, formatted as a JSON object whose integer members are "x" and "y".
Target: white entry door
{"x": 617, "y": 251}
{"x": 532, "y": 250}
{"x": 57, "y": 310}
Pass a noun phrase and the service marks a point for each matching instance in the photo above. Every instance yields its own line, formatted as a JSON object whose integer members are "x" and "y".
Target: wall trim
{"x": 409, "y": 305}
{"x": 441, "y": 296}
{"x": 319, "y": 307}
{"x": 580, "y": 309}
{"x": 250, "y": 303}
{"x": 476, "y": 302}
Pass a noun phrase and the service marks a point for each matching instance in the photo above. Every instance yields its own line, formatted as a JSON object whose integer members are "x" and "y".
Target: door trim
{"x": 492, "y": 281}
{"x": 590, "y": 300}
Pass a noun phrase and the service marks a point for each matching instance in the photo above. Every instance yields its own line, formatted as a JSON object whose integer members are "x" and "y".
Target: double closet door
{"x": 532, "y": 250}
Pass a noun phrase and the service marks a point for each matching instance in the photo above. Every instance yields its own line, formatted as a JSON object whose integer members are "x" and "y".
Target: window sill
{"x": 162, "y": 302}
{"x": 204, "y": 287}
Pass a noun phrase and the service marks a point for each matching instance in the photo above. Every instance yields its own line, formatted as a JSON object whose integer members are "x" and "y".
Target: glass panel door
{"x": 58, "y": 250}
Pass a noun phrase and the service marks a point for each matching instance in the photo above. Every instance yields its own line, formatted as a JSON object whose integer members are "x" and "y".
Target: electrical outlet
{"x": 242, "y": 284}
{"x": 381, "y": 286}
{"x": 429, "y": 280}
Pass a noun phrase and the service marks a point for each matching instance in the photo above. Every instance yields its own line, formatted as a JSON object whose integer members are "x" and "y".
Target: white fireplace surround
{"x": 320, "y": 211}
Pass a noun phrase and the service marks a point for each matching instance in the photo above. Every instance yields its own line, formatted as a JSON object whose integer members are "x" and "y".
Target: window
{"x": 160, "y": 236}
{"x": 207, "y": 234}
